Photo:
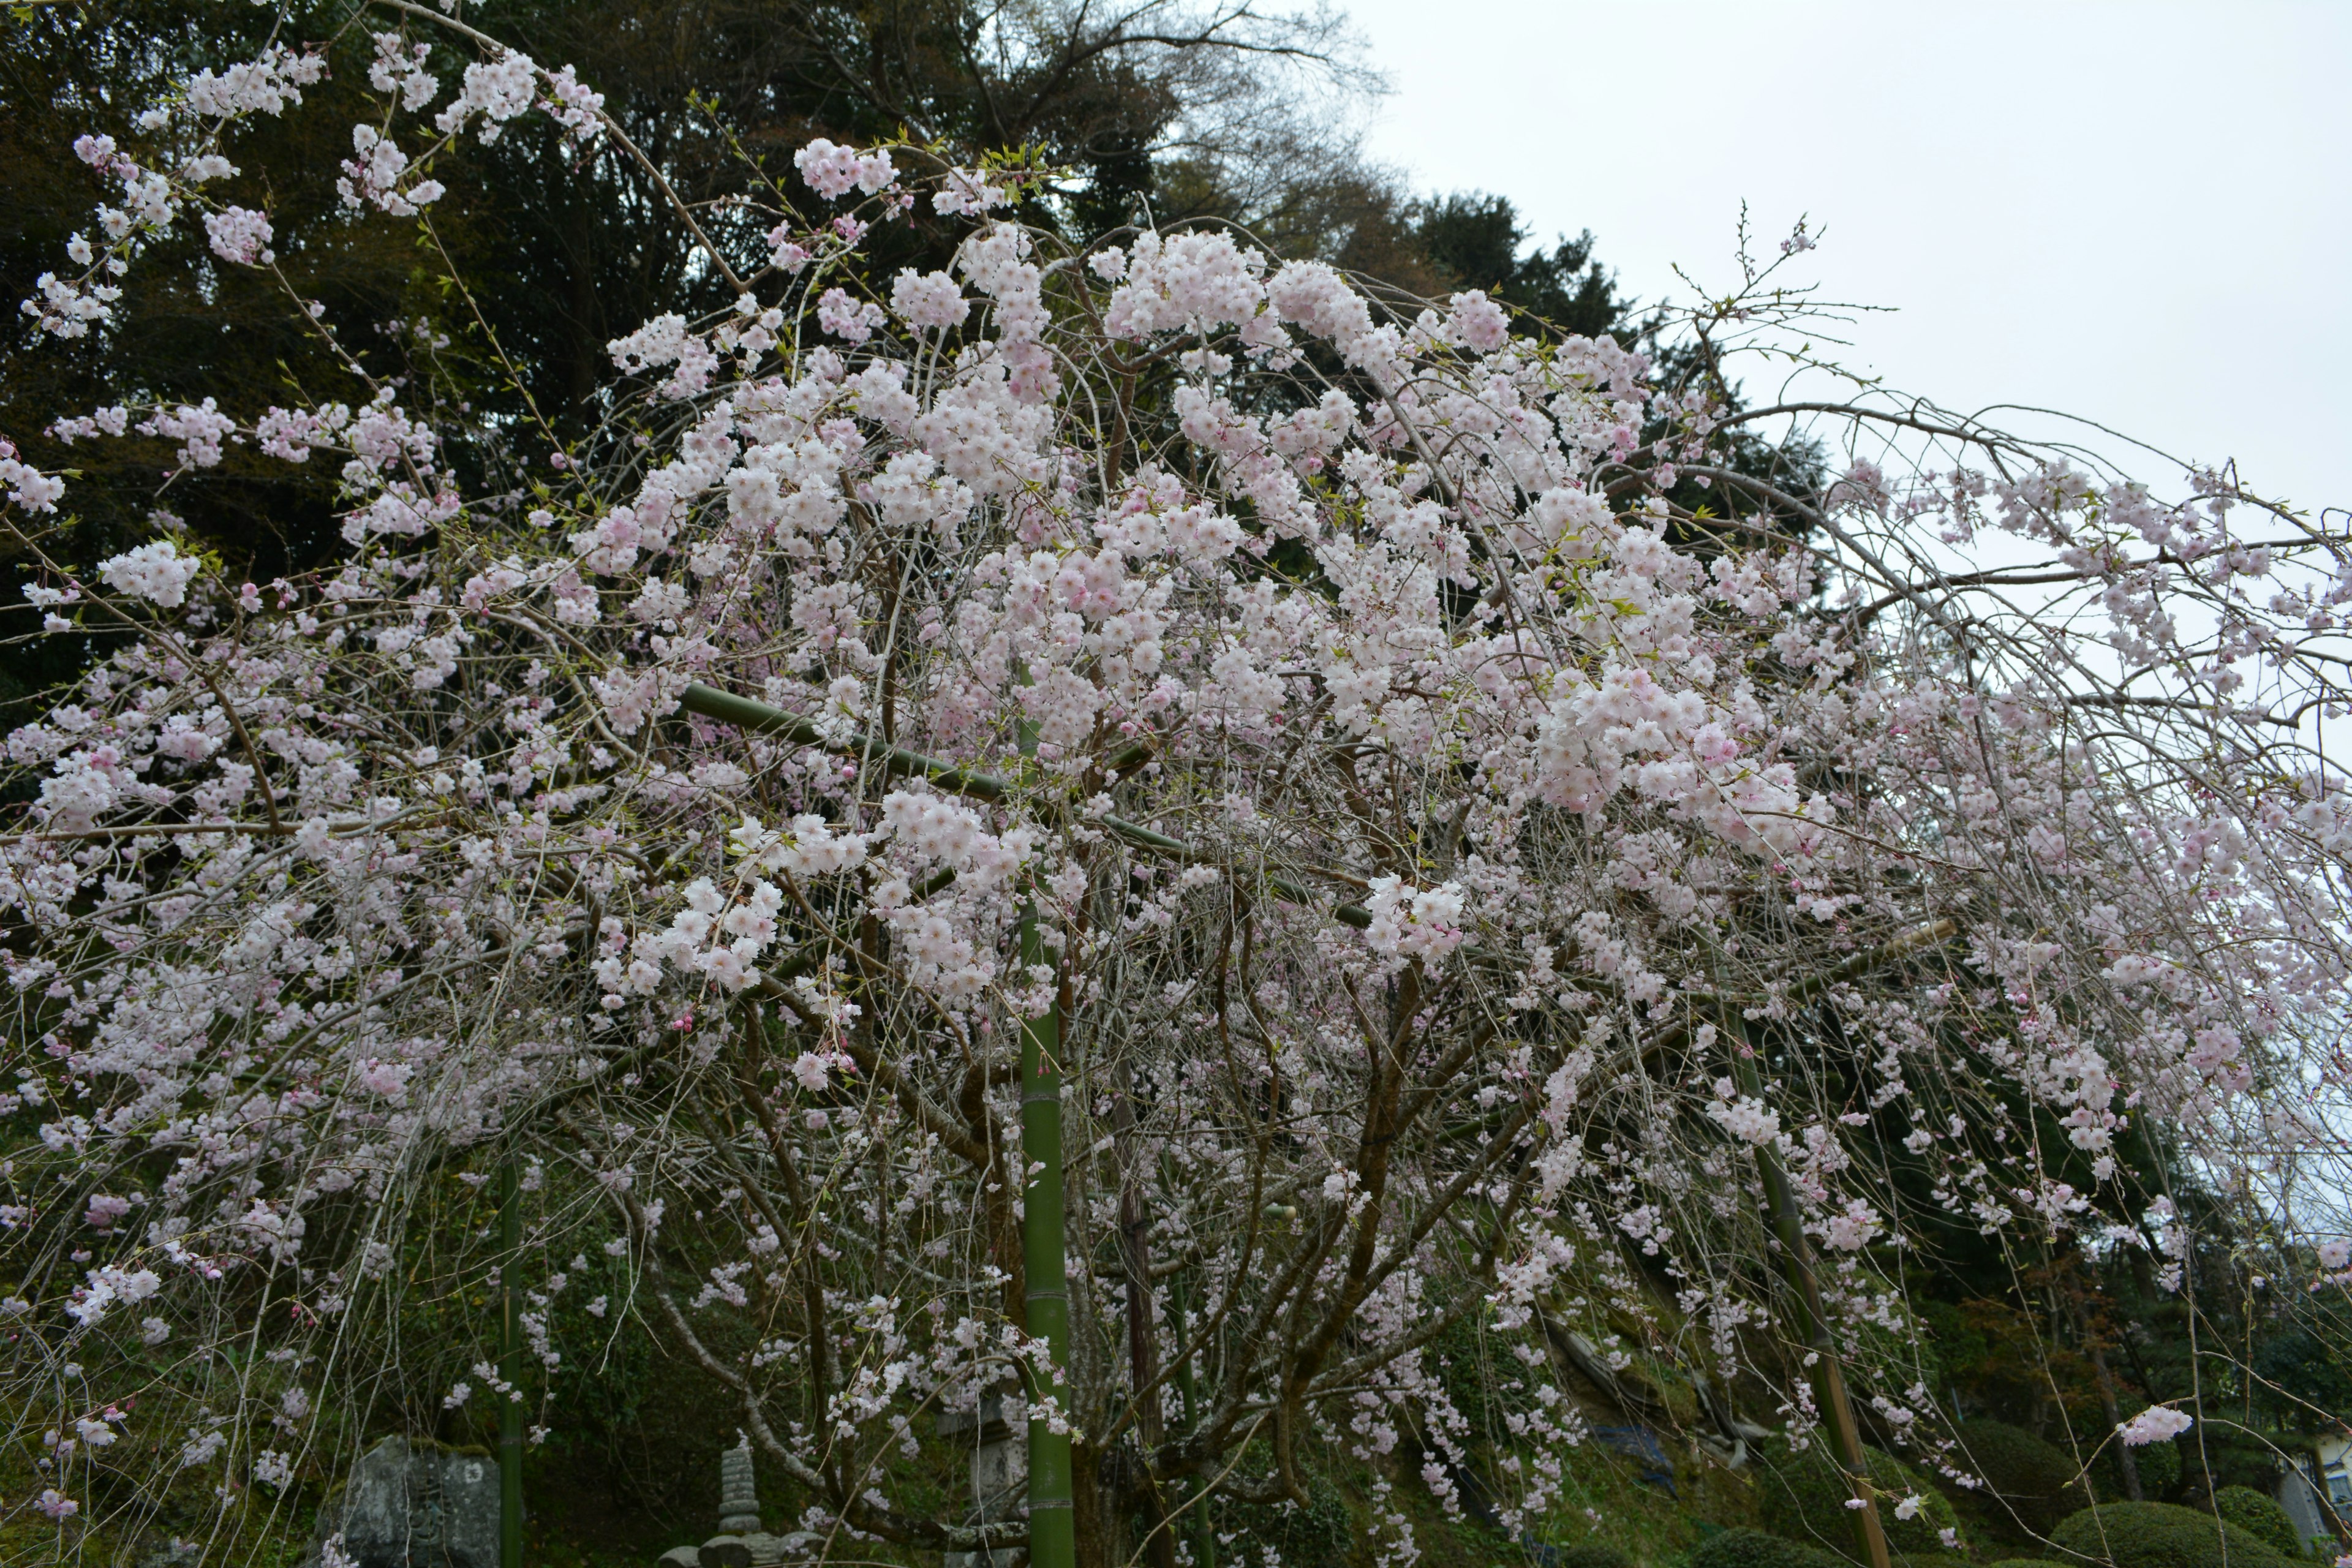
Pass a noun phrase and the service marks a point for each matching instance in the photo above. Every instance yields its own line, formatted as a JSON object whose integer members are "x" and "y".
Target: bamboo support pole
{"x": 509, "y": 1367}
{"x": 1052, "y": 1525}
{"x": 1830, "y": 1397}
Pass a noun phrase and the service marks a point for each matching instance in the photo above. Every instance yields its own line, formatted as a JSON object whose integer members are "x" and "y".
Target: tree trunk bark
{"x": 2124, "y": 1461}
{"x": 1143, "y": 1338}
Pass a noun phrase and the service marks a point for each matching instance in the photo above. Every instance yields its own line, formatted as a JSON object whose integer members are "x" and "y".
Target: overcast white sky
{"x": 2134, "y": 211}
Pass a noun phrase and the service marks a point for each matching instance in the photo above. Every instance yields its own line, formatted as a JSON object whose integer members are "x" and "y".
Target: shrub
{"x": 2030, "y": 1562}
{"x": 2159, "y": 1467}
{"x": 2030, "y": 1484}
{"x": 1804, "y": 1498}
{"x": 2259, "y": 1515}
{"x": 2160, "y": 1535}
{"x": 1755, "y": 1549}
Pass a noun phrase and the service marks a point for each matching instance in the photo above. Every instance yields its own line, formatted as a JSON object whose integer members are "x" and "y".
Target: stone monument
{"x": 1000, "y": 1472}
{"x": 415, "y": 1505}
{"x": 739, "y": 1497}
{"x": 740, "y": 1543}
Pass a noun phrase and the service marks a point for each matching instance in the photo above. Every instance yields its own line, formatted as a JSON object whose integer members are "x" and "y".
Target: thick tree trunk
{"x": 2124, "y": 1460}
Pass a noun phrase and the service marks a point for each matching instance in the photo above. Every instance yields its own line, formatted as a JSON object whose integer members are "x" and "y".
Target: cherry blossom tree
{"x": 1132, "y": 828}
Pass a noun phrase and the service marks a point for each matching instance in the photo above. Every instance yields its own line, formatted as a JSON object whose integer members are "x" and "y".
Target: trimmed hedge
{"x": 2160, "y": 1535}
{"x": 2032, "y": 1483}
{"x": 1804, "y": 1498}
{"x": 2159, "y": 1467}
{"x": 2258, "y": 1515}
{"x": 1755, "y": 1549}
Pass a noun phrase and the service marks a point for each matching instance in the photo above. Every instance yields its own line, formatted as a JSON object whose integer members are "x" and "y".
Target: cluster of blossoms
{"x": 153, "y": 194}
{"x": 1406, "y": 815}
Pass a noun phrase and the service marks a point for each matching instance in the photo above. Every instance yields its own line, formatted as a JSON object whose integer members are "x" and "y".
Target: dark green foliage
{"x": 1755, "y": 1549}
{"x": 1322, "y": 1534}
{"x": 2159, "y": 1467}
{"x": 1586, "y": 1554}
{"x": 2030, "y": 1484}
{"x": 2302, "y": 1380}
{"x": 2259, "y": 1515}
{"x": 2030, "y": 1562}
{"x": 1804, "y": 1498}
{"x": 2160, "y": 1535}
{"x": 558, "y": 254}
{"x": 187, "y": 326}
{"x": 1487, "y": 1394}
{"x": 1473, "y": 240}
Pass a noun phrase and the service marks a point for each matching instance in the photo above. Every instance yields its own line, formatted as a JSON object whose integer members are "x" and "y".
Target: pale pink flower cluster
{"x": 201, "y": 428}
{"x": 241, "y": 236}
{"x": 573, "y": 105}
{"x": 156, "y": 573}
{"x": 495, "y": 91}
{"x": 967, "y": 193}
{"x": 27, "y": 486}
{"x": 373, "y": 177}
{"x": 1198, "y": 282}
{"x": 995, "y": 261}
{"x": 1746, "y": 1118}
{"x": 1476, "y": 322}
{"x": 665, "y": 341}
{"x": 926, "y": 299}
{"x": 270, "y": 84}
{"x": 1410, "y": 922}
{"x": 400, "y": 70}
{"x": 2156, "y": 1424}
{"x": 853, "y": 320}
{"x": 833, "y": 170}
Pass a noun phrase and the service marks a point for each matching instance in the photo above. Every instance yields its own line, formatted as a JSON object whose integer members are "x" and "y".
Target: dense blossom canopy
{"x": 1452, "y": 862}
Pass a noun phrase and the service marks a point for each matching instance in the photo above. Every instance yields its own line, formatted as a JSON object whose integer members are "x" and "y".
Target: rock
{"x": 173, "y": 1554}
{"x": 726, "y": 1551}
{"x": 415, "y": 1505}
{"x": 756, "y": 1550}
{"x": 994, "y": 1419}
{"x": 682, "y": 1557}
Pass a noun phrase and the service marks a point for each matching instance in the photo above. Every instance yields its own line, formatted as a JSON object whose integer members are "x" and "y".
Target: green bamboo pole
{"x": 509, "y": 1367}
{"x": 1045, "y": 1262}
{"x": 1052, "y": 1525}
{"x": 1830, "y": 1397}
{"x": 1205, "y": 1548}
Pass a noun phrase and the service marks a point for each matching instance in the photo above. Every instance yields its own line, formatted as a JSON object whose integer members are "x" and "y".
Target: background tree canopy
{"x": 1157, "y": 111}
